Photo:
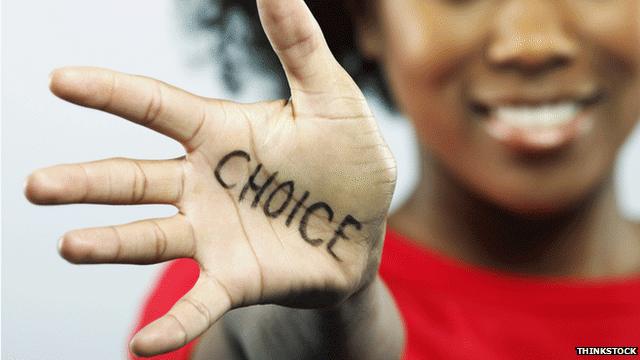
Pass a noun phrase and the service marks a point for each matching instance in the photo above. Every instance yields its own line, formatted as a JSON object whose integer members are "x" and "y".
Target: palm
{"x": 279, "y": 202}
{"x": 256, "y": 217}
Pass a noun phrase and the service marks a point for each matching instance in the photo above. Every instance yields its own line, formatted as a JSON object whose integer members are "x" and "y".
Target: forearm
{"x": 371, "y": 326}
{"x": 366, "y": 326}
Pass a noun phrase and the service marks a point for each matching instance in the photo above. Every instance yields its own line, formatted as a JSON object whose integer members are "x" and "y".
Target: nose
{"x": 529, "y": 36}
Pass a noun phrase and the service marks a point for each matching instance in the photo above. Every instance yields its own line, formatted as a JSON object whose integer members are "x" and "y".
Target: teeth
{"x": 544, "y": 116}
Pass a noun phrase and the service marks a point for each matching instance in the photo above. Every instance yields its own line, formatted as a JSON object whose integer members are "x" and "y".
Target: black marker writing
{"x": 287, "y": 189}
{"x": 296, "y": 207}
{"x": 223, "y": 162}
{"x": 302, "y": 228}
{"x": 348, "y": 220}
{"x": 259, "y": 189}
{"x": 267, "y": 205}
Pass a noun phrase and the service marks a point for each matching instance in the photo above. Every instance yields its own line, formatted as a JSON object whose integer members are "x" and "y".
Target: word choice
{"x": 286, "y": 189}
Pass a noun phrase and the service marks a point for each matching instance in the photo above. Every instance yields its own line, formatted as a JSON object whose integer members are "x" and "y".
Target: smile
{"x": 538, "y": 117}
{"x": 529, "y": 127}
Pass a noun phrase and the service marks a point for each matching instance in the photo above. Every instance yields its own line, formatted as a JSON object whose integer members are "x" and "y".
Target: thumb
{"x": 298, "y": 41}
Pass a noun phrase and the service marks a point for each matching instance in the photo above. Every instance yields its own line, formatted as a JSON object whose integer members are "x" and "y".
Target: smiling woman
{"x": 520, "y": 108}
{"x": 511, "y": 247}
{"x": 497, "y": 66}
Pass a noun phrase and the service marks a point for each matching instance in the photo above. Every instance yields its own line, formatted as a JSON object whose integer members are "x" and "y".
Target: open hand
{"x": 279, "y": 202}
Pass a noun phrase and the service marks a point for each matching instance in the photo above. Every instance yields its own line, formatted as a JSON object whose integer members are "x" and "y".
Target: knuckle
{"x": 200, "y": 308}
{"x": 117, "y": 252}
{"x": 86, "y": 181}
{"x": 219, "y": 286}
{"x": 140, "y": 183}
{"x": 181, "y": 326}
{"x": 154, "y": 106}
{"x": 193, "y": 141}
{"x": 160, "y": 240}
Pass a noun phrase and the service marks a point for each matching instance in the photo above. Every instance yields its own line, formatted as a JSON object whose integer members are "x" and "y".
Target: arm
{"x": 280, "y": 202}
{"x": 366, "y": 326}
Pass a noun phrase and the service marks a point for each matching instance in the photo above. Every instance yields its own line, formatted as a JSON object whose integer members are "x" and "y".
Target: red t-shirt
{"x": 453, "y": 310}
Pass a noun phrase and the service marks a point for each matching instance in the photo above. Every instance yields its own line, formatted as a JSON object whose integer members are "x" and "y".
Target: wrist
{"x": 369, "y": 324}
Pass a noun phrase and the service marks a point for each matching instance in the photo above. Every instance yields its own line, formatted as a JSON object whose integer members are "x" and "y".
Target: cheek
{"x": 429, "y": 57}
{"x": 440, "y": 123}
{"x": 426, "y": 41}
{"x": 427, "y": 47}
{"x": 629, "y": 110}
{"x": 613, "y": 27}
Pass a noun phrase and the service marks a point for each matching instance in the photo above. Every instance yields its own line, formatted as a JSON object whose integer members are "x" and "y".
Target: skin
{"x": 324, "y": 138}
{"x": 552, "y": 213}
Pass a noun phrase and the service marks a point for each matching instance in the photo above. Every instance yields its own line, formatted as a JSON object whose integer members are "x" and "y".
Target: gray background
{"x": 55, "y": 310}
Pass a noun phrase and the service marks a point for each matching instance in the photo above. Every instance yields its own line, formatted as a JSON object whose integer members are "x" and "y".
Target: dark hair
{"x": 240, "y": 35}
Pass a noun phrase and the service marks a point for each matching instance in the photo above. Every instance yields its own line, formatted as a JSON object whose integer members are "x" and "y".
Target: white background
{"x": 55, "y": 310}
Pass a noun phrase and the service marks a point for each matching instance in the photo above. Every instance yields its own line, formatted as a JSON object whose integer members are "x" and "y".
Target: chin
{"x": 541, "y": 203}
{"x": 535, "y": 209}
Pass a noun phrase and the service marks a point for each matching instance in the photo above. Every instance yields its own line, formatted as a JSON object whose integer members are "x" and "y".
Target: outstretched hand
{"x": 279, "y": 202}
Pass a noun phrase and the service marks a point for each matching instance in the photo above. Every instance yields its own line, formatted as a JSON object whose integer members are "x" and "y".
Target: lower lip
{"x": 539, "y": 140}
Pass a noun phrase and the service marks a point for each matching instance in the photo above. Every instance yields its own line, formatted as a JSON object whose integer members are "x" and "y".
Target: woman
{"x": 510, "y": 247}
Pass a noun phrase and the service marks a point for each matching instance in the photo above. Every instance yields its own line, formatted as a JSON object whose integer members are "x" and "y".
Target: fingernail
{"x": 59, "y": 245}
{"x": 50, "y": 78}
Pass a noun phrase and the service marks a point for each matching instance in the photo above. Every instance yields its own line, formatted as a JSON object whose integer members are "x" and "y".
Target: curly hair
{"x": 237, "y": 26}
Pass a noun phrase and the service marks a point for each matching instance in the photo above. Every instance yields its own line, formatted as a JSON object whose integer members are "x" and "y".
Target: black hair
{"x": 237, "y": 27}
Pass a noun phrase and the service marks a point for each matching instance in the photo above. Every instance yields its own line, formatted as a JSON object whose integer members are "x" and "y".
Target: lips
{"x": 534, "y": 126}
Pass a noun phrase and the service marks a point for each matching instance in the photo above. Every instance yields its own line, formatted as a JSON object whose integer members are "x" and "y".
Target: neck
{"x": 591, "y": 239}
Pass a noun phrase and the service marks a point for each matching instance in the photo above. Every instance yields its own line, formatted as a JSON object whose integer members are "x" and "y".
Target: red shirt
{"x": 453, "y": 310}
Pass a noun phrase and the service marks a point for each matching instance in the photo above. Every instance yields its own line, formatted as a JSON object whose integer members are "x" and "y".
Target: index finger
{"x": 145, "y": 101}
